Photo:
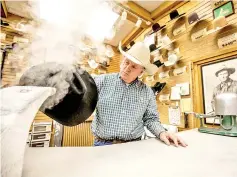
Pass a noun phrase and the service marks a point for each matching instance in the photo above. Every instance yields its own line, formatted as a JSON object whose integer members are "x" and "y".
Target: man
{"x": 126, "y": 104}
{"x": 227, "y": 84}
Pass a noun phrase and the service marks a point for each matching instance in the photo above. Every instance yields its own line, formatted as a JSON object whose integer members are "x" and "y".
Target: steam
{"x": 50, "y": 74}
{"x": 60, "y": 35}
{"x": 61, "y": 31}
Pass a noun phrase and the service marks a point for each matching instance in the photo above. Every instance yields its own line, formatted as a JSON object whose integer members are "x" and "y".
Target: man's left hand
{"x": 168, "y": 138}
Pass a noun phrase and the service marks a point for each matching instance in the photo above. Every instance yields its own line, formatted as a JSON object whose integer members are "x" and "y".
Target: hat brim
{"x": 151, "y": 69}
{"x": 158, "y": 29}
{"x": 177, "y": 17}
{"x": 215, "y": 30}
{"x": 230, "y": 70}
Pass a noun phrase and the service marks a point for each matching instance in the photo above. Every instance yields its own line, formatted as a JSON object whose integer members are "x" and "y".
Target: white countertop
{"x": 207, "y": 155}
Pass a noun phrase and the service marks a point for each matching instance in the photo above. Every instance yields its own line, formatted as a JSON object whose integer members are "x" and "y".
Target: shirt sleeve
{"x": 151, "y": 118}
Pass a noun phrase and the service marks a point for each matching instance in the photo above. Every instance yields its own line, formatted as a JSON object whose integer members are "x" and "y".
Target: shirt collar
{"x": 136, "y": 81}
{"x": 228, "y": 82}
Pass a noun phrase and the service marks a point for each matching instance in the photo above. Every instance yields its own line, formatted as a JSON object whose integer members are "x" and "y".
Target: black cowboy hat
{"x": 158, "y": 63}
{"x": 158, "y": 87}
{"x": 156, "y": 27}
{"x": 152, "y": 47}
{"x": 125, "y": 48}
{"x": 175, "y": 14}
{"x": 4, "y": 23}
{"x": 104, "y": 64}
{"x": 132, "y": 43}
{"x": 77, "y": 105}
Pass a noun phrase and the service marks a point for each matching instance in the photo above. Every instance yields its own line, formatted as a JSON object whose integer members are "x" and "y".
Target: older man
{"x": 227, "y": 84}
{"x": 126, "y": 104}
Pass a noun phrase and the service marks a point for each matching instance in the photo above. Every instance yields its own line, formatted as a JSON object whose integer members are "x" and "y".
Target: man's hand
{"x": 168, "y": 138}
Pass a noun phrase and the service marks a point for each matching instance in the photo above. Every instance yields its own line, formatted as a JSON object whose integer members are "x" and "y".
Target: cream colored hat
{"x": 139, "y": 53}
{"x": 172, "y": 59}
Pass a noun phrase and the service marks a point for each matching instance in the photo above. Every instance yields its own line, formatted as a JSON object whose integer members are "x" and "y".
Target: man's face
{"x": 129, "y": 70}
{"x": 223, "y": 75}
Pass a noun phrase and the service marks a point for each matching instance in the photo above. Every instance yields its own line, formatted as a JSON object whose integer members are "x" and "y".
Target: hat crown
{"x": 141, "y": 52}
{"x": 155, "y": 27}
{"x": 193, "y": 17}
{"x": 174, "y": 14}
{"x": 173, "y": 57}
{"x": 225, "y": 67}
{"x": 152, "y": 47}
{"x": 219, "y": 22}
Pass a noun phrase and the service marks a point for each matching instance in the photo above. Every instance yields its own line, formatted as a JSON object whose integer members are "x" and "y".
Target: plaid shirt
{"x": 124, "y": 109}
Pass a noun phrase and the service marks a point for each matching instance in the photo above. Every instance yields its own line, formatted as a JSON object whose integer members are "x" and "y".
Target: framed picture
{"x": 225, "y": 10}
{"x": 217, "y": 77}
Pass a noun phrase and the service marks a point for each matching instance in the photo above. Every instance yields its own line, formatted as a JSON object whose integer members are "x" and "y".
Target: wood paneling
{"x": 79, "y": 135}
{"x": 191, "y": 52}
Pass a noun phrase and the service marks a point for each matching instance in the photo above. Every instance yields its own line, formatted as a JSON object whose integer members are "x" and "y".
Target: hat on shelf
{"x": 175, "y": 14}
{"x": 156, "y": 27}
{"x": 192, "y": 18}
{"x": 132, "y": 43}
{"x": 4, "y": 23}
{"x": 125, "y": 48}
{"x": 172, "y": 60}
{"x": 158, "y": 63}
{"x": 104, "y": 64}
{"x": 158, "y": 87}
{"x": 218, "y": 23}
{"x": 153, "y": 47}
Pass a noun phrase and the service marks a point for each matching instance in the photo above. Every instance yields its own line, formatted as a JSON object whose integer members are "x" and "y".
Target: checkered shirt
{"x": 124, "y": 109}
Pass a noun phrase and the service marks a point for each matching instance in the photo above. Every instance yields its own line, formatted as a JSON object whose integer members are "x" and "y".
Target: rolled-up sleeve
{"x": 151, "y": 118}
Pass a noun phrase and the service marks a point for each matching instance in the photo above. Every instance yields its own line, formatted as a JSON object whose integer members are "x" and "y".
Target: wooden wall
{"x": 192, "y": 51}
